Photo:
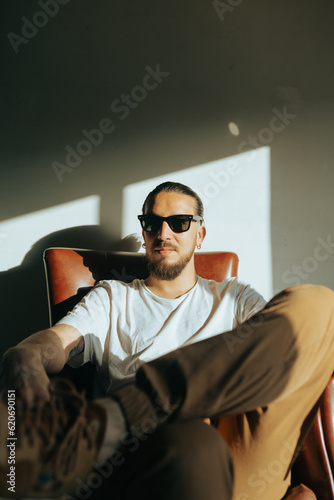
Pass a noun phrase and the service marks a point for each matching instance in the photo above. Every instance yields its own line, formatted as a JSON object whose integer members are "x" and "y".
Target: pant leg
{"x": 274, "y": 366}
{"x": 185, "y": 460}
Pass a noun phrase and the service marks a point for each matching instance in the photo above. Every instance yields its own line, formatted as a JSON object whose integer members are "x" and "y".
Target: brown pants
{"x": 268, "y": 372}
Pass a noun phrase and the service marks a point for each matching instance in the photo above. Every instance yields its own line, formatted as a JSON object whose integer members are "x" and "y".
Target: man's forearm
{"x": 26, "y": 366}
{"x": 46, "y": 348}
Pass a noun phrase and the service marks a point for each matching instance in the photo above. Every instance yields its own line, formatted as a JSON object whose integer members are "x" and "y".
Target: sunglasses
{"x": 177, "y": 223}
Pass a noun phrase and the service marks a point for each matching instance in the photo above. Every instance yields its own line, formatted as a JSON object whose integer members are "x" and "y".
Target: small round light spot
{"x": 234, "y": 129}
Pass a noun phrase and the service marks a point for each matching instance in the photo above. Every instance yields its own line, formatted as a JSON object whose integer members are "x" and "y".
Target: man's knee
{"x": 314, "y": 293}
{"x": 307, "y": 313}
{"x": 306, "y": 306}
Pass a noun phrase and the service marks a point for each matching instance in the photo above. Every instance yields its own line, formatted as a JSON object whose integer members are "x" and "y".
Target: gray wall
{"x": 262, "y": 56}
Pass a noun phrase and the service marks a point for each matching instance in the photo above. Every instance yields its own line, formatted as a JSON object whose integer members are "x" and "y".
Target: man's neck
{"x": 174, "y": 288}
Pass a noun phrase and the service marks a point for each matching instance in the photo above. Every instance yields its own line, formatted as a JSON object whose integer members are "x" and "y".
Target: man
{"x": 165, "y": 364}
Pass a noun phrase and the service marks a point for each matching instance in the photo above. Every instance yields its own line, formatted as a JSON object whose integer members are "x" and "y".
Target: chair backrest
{"x": 71, "y": 273}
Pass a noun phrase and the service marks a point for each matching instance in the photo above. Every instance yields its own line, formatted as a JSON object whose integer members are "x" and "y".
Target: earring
{"x": 143, "y": 245}
{"x": 198, "y": 247}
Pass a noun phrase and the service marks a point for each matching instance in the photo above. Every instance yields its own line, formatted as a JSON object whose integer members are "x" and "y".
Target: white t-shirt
{"x": 125, "y": 324}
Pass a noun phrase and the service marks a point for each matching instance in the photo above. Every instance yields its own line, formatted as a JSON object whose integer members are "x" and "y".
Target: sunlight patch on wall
{"x": 18, "y": 235}
{"x": 236, "y": 195}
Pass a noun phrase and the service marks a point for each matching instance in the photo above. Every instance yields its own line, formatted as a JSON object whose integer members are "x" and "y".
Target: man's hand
{"x": 21, "y": 369}
{"x": 25, "y": 366}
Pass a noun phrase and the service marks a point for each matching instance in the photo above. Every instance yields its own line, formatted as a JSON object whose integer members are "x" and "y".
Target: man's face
{"x": 168, "y": 253}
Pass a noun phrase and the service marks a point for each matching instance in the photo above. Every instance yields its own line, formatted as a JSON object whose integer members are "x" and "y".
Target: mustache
{"x": 163, "y": 244}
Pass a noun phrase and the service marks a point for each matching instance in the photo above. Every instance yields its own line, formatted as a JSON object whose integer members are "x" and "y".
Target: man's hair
{"x": 172, "y": 187}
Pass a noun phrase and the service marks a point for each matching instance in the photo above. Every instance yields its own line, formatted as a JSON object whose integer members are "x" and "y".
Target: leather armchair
{"x": 70, "y": 273}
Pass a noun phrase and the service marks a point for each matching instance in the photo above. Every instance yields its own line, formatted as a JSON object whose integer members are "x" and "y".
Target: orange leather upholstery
{"x": 70, "y": 274}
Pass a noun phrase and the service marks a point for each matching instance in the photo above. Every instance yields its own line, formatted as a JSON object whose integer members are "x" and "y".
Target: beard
{"x": 168, "y": 272}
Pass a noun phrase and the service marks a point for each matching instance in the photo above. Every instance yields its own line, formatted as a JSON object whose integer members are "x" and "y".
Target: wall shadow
{"x": 23, "y": 288}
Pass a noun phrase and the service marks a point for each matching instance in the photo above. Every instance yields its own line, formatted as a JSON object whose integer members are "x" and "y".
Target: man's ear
{"x": 200, "y": 235}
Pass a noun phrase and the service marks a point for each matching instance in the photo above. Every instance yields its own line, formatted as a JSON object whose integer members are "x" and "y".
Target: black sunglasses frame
{"x": 169, "y": 220}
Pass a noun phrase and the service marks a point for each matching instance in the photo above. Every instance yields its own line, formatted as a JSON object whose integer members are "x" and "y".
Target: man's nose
{"x": 165, "y": 232}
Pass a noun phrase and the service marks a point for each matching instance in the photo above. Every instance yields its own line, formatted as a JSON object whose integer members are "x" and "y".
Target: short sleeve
{"x": 91, "y": 316}
{"x": 248, "y": 302}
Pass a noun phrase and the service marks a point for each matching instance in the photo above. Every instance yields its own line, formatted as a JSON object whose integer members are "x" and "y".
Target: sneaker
{"x": 52, "y": 446}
